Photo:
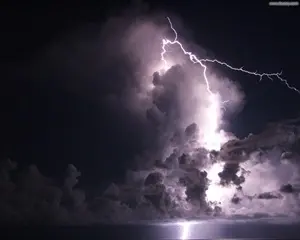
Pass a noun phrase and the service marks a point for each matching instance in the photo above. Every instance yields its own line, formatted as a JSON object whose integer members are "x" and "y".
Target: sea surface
{"x": 263, "y": 228}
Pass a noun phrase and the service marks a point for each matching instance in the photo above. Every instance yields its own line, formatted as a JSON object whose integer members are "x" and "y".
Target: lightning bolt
{"x": 194, "y": 59}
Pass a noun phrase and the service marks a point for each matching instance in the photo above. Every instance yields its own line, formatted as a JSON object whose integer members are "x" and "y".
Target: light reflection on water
{"x": 224, "y": 228}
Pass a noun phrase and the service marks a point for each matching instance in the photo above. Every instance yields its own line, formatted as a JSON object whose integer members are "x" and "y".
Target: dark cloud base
{"x": 29, "y": 198}
{"x": 157, "y": 188}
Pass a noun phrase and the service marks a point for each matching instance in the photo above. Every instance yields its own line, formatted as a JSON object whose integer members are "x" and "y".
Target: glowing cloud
{"x": 212, "y": 139}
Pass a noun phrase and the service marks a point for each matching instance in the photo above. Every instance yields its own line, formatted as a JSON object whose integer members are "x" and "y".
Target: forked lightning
{"x": 194, "y": 59}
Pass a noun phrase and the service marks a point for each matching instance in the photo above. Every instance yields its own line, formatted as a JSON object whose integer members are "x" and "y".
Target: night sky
{"x": 51, "y": 124}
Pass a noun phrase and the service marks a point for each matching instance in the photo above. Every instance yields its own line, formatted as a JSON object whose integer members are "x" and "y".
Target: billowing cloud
{"x": 188, "y": 166}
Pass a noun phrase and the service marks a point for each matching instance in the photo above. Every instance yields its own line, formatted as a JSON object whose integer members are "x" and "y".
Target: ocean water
{"x": 264, "y": 228}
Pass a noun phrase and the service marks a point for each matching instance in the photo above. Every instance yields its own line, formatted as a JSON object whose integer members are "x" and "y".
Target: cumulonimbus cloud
{"x": 182, "y": 172}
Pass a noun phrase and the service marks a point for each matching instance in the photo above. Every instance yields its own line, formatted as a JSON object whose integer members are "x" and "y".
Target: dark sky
{"x": 48, "y": 125}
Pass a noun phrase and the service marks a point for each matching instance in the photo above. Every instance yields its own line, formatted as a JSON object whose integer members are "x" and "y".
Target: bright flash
{"x": 212, "y": 137}
{"x": 216, "y": 192}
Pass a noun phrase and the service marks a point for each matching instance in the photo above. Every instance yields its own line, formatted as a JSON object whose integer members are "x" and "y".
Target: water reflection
{"x": 185, "y": 230}
{"x": 212, "y": 229}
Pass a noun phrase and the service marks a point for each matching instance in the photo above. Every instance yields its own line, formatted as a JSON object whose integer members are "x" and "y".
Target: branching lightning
{"x": 194, "y": 59}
